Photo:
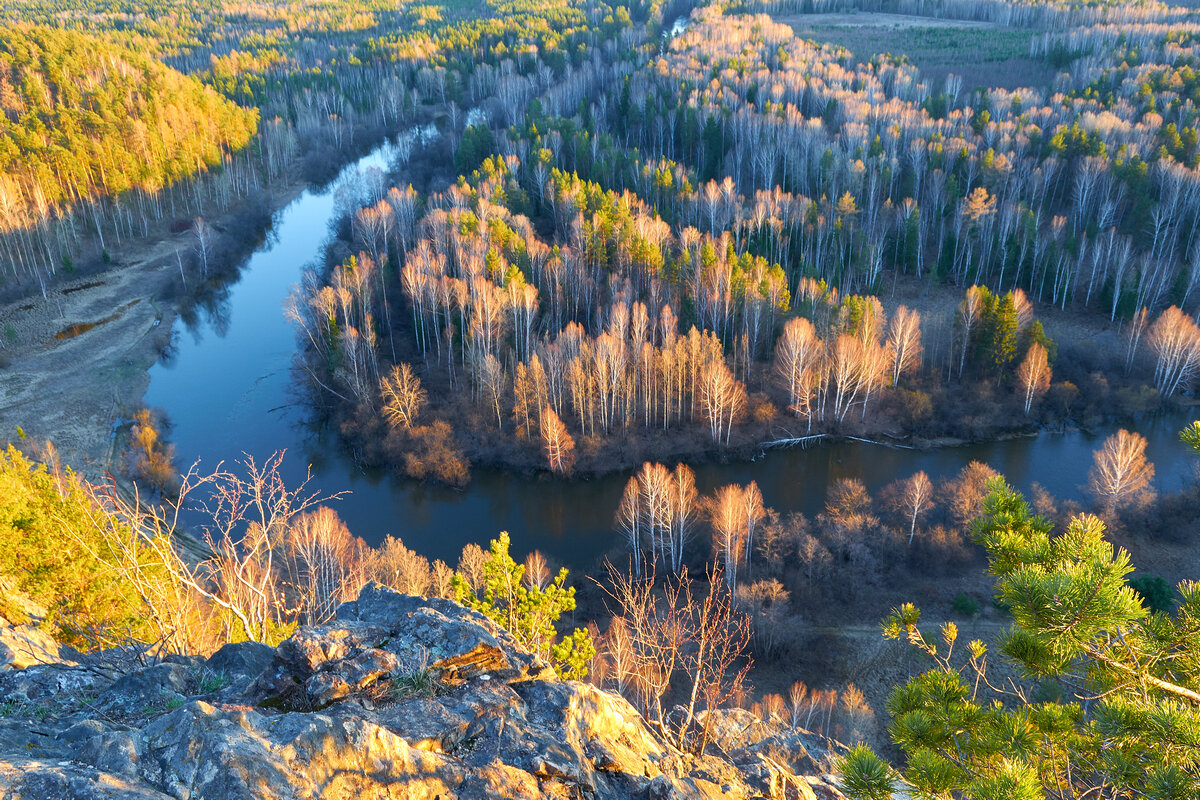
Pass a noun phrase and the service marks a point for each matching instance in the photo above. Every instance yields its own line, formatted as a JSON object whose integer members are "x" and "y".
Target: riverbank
{"x": 78, "y": 358}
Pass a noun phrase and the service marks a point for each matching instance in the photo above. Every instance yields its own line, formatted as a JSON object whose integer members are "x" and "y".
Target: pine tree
{"x": 1002, "y": 328}
{"x": 1128, "y": 724}
{"x": 527, "y": 611}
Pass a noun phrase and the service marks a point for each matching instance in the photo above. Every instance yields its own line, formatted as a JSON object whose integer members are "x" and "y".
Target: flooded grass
{"x": 80, "y": 328}
{"x": 81, "y": 287}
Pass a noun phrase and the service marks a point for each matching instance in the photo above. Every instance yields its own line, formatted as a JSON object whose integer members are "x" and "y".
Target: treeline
{"x": 325, "y": 82}
{"x": 1015, "y": 13}
{"x": 625, "y": 259}
{"x": 93, "y": 137}
{"x": 861, "y": 167}
{"x": 841, "y": 170}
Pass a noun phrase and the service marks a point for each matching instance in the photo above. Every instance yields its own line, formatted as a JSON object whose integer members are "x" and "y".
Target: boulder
{"x": 399, "y": 696}
{"x": 241, "y": 660}
{"x": 145, "y": 691}
{"x": 26, "y": 646}
{"x": 27, "y": 779}
{"x": 23, "y": 643}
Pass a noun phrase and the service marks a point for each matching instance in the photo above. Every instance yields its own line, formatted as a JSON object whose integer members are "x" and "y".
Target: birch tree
{"x": 1033, "y": 375}
{"x": 1121, "y": 474}
{"x": 557, "y": 443}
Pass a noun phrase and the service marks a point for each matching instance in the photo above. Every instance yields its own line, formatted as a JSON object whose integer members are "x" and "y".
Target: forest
{"x": 85, "y": 120}
{"x": 635, "y": 240}
{"x": 613, "y": 274}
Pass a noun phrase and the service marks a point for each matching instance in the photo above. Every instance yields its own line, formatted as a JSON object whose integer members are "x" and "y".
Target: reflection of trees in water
{"x": 207, "y": 293}
{"x": 217, "y": 309}
{"x": 169, "y": 350}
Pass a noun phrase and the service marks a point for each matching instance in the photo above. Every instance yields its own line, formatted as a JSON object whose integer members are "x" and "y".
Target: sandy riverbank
{"x": 80, "y": 355}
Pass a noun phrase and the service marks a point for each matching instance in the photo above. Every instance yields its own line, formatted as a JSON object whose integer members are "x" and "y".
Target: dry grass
{"x": 983, "y": 54}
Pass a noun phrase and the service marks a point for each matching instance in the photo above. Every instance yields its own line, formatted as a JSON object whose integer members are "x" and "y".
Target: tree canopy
{"x": 85, "y": 118}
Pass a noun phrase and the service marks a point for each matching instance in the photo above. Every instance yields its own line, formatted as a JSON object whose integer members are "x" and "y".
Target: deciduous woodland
{"x": 695, "y": 246}
{"x": 636, "y": 237}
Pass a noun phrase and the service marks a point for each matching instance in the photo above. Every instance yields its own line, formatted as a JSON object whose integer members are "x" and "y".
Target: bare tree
{"x": 1137, "y": 328}
{"x": 537, "y": 572}
{"x": 440, "y": 580}
{"x": 1175, "y": 340}
{"x": 1033, "y": 376}
{"x": 402, "y": 396}
{"x": 1121, "y": 474}
{"x": 963, "y": 495}
{"x": 752, "y": 504}
{"x": 491, "y": 381}
{"x": 673, "y": 631}
{"x": 404, "y": 570}
{"x": 245, "y": 518}
{"x": 657, "y": 634}
{"x": 557, "y": 443}
{"x": 718, "y": 634}
{"x": 618, "y": 650}
{"x": 629, "y": 520}
{"x": 722, "y": 397}
{"x": 969, "y": 313}
{"x": 682, "y": 506}
{"x": 204, "y": 237}
{"x": 728, "y": 515}
{"x": 914, "y": 497}
{"x": 797, "y": 364}
{"x": 325, "y": 563}
{"x": 765, "y": 603}
{"x": 904, "y": 342}
{"x": 470, "y": 565}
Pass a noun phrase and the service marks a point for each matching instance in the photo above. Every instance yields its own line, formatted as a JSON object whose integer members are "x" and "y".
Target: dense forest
{"x": 86, "y": 121}
{"x": 303, "y": 88}
{"x": 698, "y": 248}
{"x": 638, "y": 237}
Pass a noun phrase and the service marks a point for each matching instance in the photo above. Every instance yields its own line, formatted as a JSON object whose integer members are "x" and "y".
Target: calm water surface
{"x": 229, "y": 389}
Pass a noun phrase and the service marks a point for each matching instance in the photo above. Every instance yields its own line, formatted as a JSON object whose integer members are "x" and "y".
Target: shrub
{"x": 49, "y": 550}
{"x": 528, "y": 612}
{"x": 967, "y": 606}
{"x": 150, "y": 458}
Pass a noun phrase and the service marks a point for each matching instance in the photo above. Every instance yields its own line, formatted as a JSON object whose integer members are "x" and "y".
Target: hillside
{"x": 398, "y": 697}
{"x": 84, "y": 118}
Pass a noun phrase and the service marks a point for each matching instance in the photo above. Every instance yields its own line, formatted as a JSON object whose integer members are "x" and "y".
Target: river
{"x": 229, "y": 389}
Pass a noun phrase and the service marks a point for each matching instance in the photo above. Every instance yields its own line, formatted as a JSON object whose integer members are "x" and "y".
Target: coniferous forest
{"x": 866, "y": 332}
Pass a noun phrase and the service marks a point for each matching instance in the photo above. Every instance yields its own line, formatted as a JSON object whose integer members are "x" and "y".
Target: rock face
{"x": 400, "y": 697}
{"x": 22, "y": 643}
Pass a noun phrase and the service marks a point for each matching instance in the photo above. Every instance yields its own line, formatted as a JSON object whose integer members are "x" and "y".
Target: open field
{"x": 981, "y": 53}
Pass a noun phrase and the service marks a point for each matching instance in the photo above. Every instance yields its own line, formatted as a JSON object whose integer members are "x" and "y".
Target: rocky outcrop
{"x": 22, "y": 641}
{"x": 400, "y": 697}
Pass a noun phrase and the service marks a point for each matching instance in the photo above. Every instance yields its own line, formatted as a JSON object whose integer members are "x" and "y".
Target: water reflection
{"x": 233, "y": 391}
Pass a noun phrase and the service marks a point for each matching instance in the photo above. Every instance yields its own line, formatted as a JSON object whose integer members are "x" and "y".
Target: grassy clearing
{"x": 984, "y": 55}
